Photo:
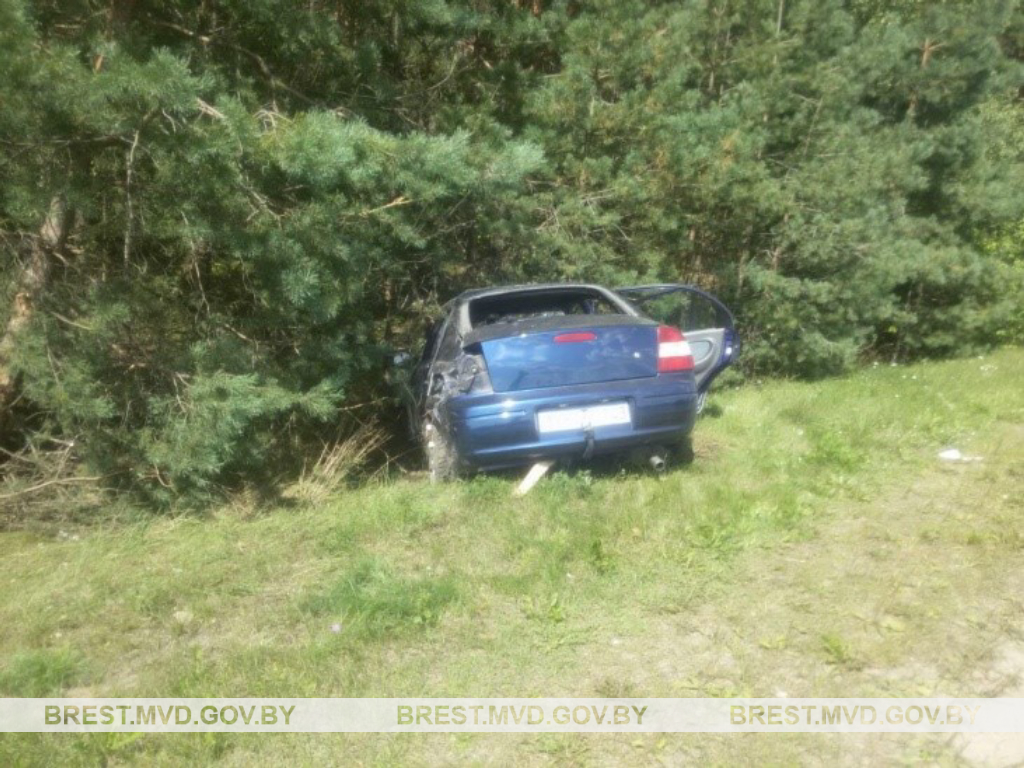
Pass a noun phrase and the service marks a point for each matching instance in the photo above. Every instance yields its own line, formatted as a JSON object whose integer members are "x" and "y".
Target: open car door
{"x": 705, "y": 321}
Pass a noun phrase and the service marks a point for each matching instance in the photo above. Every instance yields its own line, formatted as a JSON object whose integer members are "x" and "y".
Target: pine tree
{"x": 218, "y": 220}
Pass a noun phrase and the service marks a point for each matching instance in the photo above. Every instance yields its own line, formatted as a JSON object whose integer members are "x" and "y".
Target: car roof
{"x": 459, "y": 306}
{"x": 497, "y": 290}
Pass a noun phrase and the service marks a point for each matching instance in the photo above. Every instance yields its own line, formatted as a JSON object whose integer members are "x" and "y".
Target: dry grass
{"x": 339, "y": 464}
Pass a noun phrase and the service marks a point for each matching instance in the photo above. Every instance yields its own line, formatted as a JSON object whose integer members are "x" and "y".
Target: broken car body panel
{"x": 520, "y": 374}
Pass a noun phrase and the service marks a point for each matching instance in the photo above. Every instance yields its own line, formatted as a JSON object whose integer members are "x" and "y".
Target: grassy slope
{"x": 591, "y": 585}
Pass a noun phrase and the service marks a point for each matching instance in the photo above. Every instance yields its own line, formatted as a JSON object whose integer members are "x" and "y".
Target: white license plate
{"x": 566, "y": 419}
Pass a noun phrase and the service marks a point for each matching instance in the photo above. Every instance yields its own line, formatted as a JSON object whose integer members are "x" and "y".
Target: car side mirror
{"x": 401, "y": 359}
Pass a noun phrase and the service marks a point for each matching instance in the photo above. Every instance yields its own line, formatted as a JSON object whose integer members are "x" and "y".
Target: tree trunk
{"x": 31, "y": 284}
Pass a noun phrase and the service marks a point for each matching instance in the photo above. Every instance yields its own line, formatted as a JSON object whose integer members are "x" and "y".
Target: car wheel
{"x": 442, "y": 460}
{"x": 702, "y": 401}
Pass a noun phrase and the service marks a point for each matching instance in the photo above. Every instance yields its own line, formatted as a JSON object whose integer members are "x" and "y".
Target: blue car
{"x": 514, "y": 375}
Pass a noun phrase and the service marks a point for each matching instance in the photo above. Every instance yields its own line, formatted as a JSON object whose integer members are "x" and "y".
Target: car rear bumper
{"x": 501, "y": 430}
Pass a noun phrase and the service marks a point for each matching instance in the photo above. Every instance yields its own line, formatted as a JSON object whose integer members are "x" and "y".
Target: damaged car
{"x": 515, "y": 375}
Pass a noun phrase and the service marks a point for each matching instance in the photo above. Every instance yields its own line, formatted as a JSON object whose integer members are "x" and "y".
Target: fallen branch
{"x": 56, "y": 481}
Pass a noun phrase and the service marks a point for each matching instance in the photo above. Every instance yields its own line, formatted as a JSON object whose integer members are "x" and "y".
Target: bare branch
{"x": 48, "y": 483}
{"x": 129, "y": 207}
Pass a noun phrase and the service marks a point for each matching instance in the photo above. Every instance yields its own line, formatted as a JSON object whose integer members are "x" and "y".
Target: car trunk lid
{"x": 566, "y": 350}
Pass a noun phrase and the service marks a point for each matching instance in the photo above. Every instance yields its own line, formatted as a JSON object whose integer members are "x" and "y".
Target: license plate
{"x": 566, "y": 419}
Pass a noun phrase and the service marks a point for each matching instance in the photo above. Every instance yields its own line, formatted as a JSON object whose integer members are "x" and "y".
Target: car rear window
{"x": 525, "y": 305}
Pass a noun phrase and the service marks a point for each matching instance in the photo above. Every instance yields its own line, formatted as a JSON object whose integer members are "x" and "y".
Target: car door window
{"x": 685, "y": 311}
{"x": 683, "y": 306}
{"x": 450, "y": 344}
{"x": 430, "y": 341}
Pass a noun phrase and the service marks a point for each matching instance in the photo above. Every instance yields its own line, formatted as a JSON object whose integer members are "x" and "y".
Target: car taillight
{"x": 472, "y": 375}
{"x": 673, "y": 350}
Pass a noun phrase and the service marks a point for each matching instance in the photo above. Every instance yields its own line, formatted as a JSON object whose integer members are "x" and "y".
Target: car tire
{"x": 442, "y": 459}
{"x": 702, "y": 401}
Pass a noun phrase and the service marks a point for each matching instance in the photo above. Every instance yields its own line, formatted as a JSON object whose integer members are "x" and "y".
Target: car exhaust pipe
{"x": 657, "y": 462}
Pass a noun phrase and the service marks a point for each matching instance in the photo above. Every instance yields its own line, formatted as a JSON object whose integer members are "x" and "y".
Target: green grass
{"x": 371, "y": 603}
{"x": 35, "y": 673}
{"x": 594, "y": 584}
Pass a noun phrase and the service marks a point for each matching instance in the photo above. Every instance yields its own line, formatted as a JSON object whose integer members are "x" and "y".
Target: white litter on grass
{"x": 954, "y": 454}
